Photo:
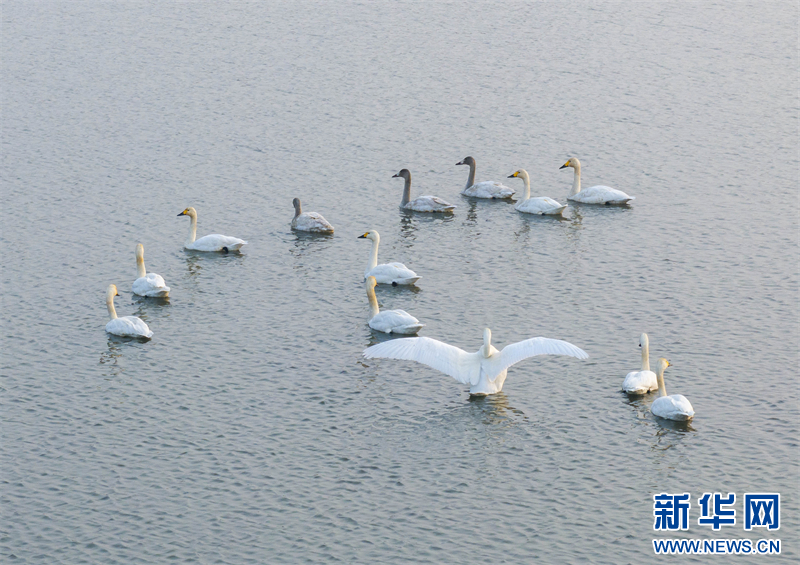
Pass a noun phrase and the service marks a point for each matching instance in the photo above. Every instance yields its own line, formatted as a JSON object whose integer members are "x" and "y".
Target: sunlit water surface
{"x": 249, "y": 429}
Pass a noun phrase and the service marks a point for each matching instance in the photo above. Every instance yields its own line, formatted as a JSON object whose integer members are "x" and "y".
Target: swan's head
{"x": 296, "y": 203}
{"x": 467, "y": 161}
{"x": 662, "y": 364}
{"x": 521, "y": 173}
{"x": 112, "y": 291}
{"x": 139, "y": 252}
{"x": 371, "y": 234}
{"x": 487, "y": 341}
{"x": 371, "y": 282}
{"x": 405, "y": 174}
{"x": 571, "y": 162}
{"x": 191, "y": 212}
{"x": 644, "y": 341}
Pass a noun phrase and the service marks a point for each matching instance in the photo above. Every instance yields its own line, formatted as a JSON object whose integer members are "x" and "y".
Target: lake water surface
{"x": 250, "y": 429}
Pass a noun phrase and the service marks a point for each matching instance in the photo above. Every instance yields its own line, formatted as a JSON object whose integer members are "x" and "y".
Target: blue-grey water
{"x": 250, "y": 429}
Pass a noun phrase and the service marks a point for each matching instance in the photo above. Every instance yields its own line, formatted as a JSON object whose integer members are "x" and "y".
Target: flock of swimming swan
{"x": 485, "y": 370}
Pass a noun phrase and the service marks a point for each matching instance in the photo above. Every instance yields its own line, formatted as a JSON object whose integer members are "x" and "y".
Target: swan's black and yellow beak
{"x": 365, "y": 235}
{"x": 564, "y": 166}
{"x": 515, "y": 175}
{"x": 395, "y": 176}
{"x": 460, "y": 163}
{"x": 182, "y": 213}
{"x": 117, "y": 294}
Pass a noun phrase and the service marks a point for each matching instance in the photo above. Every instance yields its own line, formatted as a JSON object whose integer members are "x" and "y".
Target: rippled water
{"x": 249, "y": 429}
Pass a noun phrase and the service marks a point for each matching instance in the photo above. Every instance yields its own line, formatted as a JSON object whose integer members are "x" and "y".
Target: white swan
{"x": 641, "y": 382}
{"x": 148, "y": 284}
{"x": 423, "y": 203}
{"x": 213, "y": 242}
{"x": 309, "y": 221}
{"x": 673, "y": 407}
{"x": 538, "y": 204}
{"x": 485, "y": 189}
{"x": 389, "y": 321}
{"x": 387, "y": 273}
{"x": 485, "y": 370}
{"x": 594, "y": 194}
{"x": 127, "y": 326}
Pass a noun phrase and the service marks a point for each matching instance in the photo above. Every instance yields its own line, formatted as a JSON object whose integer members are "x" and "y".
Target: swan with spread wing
{"x": 485, "y": 370}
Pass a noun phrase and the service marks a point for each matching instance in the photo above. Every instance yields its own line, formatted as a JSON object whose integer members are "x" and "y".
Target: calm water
{"x": 250, "y": 430}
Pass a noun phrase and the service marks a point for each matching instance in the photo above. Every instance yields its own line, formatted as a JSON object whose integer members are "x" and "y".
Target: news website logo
{"x": 717, "y": 510}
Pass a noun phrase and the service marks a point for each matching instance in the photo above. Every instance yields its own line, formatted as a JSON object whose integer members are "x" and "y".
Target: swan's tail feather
{"x": 409, "y": 329}
{"x": 409, "y": 280}
{"x": 160, "y": 293}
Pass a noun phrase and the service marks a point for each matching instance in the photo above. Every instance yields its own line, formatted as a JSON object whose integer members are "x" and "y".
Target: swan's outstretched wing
{"x": 516, "y": 352}
{"x": 462, "y": 366}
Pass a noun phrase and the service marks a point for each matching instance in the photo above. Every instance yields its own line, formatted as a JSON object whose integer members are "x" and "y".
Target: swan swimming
{"x": 594, "y": 194}
{"x": 641, "y": 382}
{"x": 148, "y": 284}
{"x": 389, "y": 321}
{"x": 673, "y": 407}
{"x": 213, "y": 242}
{"x": 538, "y": 204}
{"x": 387, "y": 273}
{"x": 485, "y": 189}
{"x": 485, "y": 370}
{"x": 127, "y": 326}
{"x": 423, "y": 203}
{"x": 309, "y": 221}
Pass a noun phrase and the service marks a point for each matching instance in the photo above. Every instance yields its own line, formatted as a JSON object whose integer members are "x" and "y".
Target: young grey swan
{"x": 484, "y": 189}
{"x": 594, "y": 194}
{"x": 423, "y": 203}
{"x": 309, "y": 221}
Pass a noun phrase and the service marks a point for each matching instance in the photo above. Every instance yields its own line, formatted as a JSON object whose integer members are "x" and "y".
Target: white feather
{"x": 484, "y": 370}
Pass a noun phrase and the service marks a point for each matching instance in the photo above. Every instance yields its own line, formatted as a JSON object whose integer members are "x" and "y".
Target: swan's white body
{"x": 389, "y": 321}
{"x": 127, "y": 326}
{"x": 309, "y": 221}
{"x": 210, "y": 243}
{"x": 641, "y": 382}
{"x": 594, "y": 194}
{"x": 484, "y": 189}
{"x": 148, "y": 284}
{"x": 673, "y": 407}
{"x": 542, "y": 205}
{"x": 387, "y": 273}
{"x": 485, "y": 370}
{"x": 423, "y": 203}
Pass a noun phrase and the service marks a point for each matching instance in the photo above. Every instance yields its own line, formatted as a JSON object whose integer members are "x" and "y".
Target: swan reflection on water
{"x": 494, "y": 409}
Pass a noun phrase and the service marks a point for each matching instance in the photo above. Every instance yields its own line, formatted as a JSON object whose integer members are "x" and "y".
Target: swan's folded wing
{"x": 516, "y": 352}
{"x": 443, "y": 357}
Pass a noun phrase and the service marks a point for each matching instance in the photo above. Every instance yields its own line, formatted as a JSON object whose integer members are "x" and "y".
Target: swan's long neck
{"x": 645, "y": 355}
{"x": 487, "y": 343}
{"x": 373, "y": 300}
{"x": 527, "y": 180}
{"x": 406, "y": 191}
{"x": 192, "y": 230}
{"x": 298, "y": 209}
{"x": 112, "y": 313}
{"x": 373, "y": 258}
{"x": 576, "y": 181}
{"x": 662, "y": 390}
{"x": 140, "y": 270}
{"x": 471, "y": 179}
